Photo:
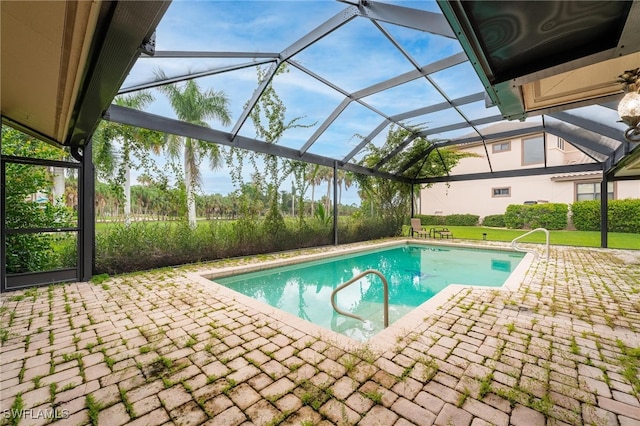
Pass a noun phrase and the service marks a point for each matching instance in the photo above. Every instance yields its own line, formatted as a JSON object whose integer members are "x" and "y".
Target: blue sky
{"x": 353, "y": 57}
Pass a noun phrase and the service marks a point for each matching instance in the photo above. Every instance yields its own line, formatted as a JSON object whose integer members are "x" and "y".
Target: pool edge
{"x": 387, "y": 338}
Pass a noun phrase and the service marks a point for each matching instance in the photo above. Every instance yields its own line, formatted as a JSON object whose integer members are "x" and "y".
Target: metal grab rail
{"x": 515, "y": 246}
{"x": 356, "y": 278}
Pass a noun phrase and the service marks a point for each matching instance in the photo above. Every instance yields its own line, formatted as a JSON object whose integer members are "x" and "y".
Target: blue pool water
{"x": 415, "y": 273}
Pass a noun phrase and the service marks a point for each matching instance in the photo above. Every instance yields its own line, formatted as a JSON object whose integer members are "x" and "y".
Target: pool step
{"x": 373, "y": 311}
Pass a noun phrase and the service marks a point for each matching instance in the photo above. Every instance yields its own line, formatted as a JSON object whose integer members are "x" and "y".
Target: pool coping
{"x": 388, "y": 337}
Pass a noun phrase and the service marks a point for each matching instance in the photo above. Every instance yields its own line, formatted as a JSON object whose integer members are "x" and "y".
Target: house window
{"x": 591, "y": 191}
{"x": 501, "y": 147}
{"x": 501, "y": 192}
{"x": 533, "y": 151}
{"x": 560, "y": 144}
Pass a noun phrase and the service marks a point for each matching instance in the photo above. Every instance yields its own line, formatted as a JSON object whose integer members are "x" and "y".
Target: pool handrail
{"x": 534, "y": 252}
{"x": 356, "y": 278}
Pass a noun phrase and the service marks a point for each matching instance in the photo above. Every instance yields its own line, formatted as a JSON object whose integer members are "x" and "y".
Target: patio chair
{"x": 416, "y": 228}
{"x": 440, "y": 232}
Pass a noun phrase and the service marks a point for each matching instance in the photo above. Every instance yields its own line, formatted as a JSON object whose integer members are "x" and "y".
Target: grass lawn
{"x": 565, "y": 238}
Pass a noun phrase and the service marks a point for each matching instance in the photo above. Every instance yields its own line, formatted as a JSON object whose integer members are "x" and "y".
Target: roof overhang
{"x": 535, "y": 57}
{"x": 64, "y": 61}
{"x": 542, "y": 57}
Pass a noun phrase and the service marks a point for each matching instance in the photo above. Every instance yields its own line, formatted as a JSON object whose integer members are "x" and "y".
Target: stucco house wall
{"x": 492, "y": 196}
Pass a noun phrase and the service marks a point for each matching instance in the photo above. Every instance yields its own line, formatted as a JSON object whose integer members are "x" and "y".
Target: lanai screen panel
{"x": 248, "y": 26}
{"x": 457, "y": 81}
{"x": 346, "y": 132}
{"x": 354, "y": 56}
{"x": 591, "y": 144}
{"x": 423, "y": 47}
{"x": 307, "y": 102}
{"x": 355, "y": 68}
{"x": 478, "y": 110}
{"x": 399, "y": 99}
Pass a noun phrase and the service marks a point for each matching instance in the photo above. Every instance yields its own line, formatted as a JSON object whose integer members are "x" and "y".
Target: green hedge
{"x": 585, "y": 215}
{"x": 494, "y": 220}
{"x": 624, "y": 215}
{"x": 461, "y": 220}
{"x": 548, "y": 215}
{"x": 452, "y": 219}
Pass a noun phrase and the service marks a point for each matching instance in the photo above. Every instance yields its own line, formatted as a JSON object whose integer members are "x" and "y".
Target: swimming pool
{"x": 415, "y": 273}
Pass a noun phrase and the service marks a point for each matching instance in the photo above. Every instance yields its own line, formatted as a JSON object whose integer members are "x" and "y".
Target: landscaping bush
{"x": 624, "y": 215}
{"x": 461, "y": 220}
{"x": 143, "y": 246}
{"x": 585, "y": 215}
{"x": 514, "y": 216}
{"x": 494, "y": 220}
{"x": 452, "y": 219}
{"x": 351, "y": 230}
{"x": 548, "y": 215}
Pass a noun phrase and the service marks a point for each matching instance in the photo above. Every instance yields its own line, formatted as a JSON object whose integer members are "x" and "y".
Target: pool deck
{"x": 560, "y": 345}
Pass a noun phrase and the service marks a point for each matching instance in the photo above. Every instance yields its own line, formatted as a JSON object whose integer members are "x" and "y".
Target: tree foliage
{"x": 31, "y": 252}
{"x": 118, "y": 148}
{"x": 192, "y": 105}
{"x": 391, "y": 198}
{"x": 270, "y": 122}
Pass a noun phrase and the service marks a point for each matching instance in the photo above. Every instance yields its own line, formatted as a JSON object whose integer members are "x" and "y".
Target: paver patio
{"x": 161, "y": 348}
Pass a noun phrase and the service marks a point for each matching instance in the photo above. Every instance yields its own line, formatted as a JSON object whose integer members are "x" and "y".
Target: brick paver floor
{"x": 160, "y": 348}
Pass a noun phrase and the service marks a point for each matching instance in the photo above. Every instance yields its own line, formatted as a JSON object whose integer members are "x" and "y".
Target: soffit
{"x": 569, "y": 88}
{"x": 522, "y": 49}
{"x": 64, "y": 61}
{"x": 44, "y": 45}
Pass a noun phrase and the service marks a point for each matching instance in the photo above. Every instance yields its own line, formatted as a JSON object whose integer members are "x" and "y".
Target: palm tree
{"x": 58, "y": 190}
{"x": 314, "y": 178}
{"x": 326, "y": 175}
{"x": 193, "y": 106}
{"x": 344, "y": 178}
{"x": 110, "y": 159}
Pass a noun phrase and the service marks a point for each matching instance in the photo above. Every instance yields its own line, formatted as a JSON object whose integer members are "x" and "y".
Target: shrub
{"x": 452, "y": 219}
{"x": 495, "y": 220}
{"x": 585, "y": 215}
{"x": 143, "y": 246}
{"x": 351, "y": 230}
{"x": 624, "y": 215}
{"x": 548, "y": 215}
{"x": 514, "y": 216}
{"x": 461, "y": 220}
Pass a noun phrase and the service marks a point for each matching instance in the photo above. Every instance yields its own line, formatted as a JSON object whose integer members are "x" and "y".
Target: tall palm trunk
{"x": 329, "y": 180}
{"x": 188, "y": 182}
{"x": 58, "y": 186}
{"x": 313, "y": 190}
{"x": 127, "y": 195}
